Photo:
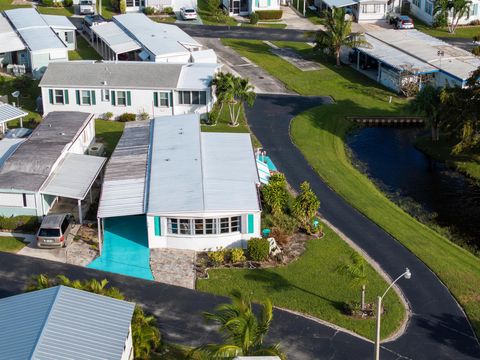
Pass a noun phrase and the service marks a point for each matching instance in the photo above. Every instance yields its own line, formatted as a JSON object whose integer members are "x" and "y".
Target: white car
{"x": 87, "y": 7}
{"x": 188, "y": 13}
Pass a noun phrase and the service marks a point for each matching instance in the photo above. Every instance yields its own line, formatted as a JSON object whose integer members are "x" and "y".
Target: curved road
{"x": 438, "y": 328}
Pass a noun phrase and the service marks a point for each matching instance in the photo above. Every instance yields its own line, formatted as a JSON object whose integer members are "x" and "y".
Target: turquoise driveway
{"x": 125, "y": 247}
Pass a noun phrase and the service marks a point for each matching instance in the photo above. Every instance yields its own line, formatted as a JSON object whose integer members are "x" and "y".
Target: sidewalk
{"x": 297, "y": 22}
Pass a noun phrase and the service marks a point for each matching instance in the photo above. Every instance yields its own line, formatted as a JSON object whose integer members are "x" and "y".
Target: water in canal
{"x": 390, "y": 158}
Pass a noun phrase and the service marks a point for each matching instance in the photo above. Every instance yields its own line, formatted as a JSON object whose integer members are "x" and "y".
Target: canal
{"x": 422, "y": 184}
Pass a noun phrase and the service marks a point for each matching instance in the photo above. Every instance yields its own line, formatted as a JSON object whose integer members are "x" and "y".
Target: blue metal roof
{"x": 63, "y": 323}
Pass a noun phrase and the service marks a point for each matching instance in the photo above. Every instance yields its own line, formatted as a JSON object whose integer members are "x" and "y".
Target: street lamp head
{"x": 408, "y": 274}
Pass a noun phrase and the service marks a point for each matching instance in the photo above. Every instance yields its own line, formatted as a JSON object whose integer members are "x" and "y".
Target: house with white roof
{"x": 363, "y": 10}
{"x": 423, "y": 9}
{"x": 32, "y": 40}
{"x": 65, "y": 323}
{"x": 197, "y": 190}
{"x": 176, "y": 5}
{"x": 246, "y": 7}
{"x": 157, "y": 89}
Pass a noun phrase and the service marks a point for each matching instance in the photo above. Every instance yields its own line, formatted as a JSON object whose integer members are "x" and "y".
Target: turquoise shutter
{"x": 268, "y": 2}
{"x": 65, "y": 96}
{"x": 251, "y": 226}
{"x": 155, "y": 99}
{"x": 94, "y": 101}
{"x": 170, "y": 99}
{"x": 113, "y": 98}
{"x": 158, "y": 230}
{"x": 50, "y": 95}
{"x": 129, "y": 98}
{"x": 257, "y": 3}
{"x": 77, "y": 93}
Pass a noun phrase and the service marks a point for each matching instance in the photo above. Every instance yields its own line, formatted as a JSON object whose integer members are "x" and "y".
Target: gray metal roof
{"x": 8, "y": 147}
{"x": 197, "y": 76}
{"x": 340, "y": 3}
{"x": 74, "y": 176}
{"x": 194, "y": 172}
{"x": 9, "y": 40}
{"x": 34, "y": 30}
{"x": 9, "y": 112}
{"x": 123, "y": 188}
{"x": 63, "y": 323}
{"x": 31, "y": 164}
{"x": 159, "y": 39}
{"x": 115, "y": 37}
{"x": 53, "y": 220}
{"x": 58, "y": 22}
{"x": 125, "y": 74}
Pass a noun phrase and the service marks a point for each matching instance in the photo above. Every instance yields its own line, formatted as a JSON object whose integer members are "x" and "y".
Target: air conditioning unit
{"x": 96, "y": 149}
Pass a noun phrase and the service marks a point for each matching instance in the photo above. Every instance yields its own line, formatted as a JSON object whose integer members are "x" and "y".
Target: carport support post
{"x": 99, "y": 224}
{"x": 80, "y": 215}
{"x": 379, "y": 71}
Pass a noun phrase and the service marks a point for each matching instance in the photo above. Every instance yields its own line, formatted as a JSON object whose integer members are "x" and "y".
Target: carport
{"x": 9, "y": 113}
{"x": 74, "y": 178}
{"x": 111, "y": 42}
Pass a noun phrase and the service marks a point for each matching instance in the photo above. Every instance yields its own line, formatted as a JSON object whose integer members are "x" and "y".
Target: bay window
{"x": 223, "y": 225}
{"x": 192, "y": 97}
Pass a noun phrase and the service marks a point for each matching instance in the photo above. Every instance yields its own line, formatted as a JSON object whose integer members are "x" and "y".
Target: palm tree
{"x": 356, "y": 270}
{"x": 145, "y": 334}
{"x": 338, "y": 33}
{"x": 244, "y": 332}
{"x": 428, "y": 103}
{"x": 244, "y": 93}
{"x": 451, "y": 11}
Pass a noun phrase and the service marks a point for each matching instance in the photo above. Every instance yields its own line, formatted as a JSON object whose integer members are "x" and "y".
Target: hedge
{"x": 19, "y": 223}
{"x": 258, "y": 249}
{"x": 269, "y": 14}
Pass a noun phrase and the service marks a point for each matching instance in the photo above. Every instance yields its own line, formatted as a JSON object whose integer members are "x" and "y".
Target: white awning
{"x": 339, "y": 3}
{"x": 9, "y": 40}
{"x": 74, "y": 176}
{"x": 9, "y": 112}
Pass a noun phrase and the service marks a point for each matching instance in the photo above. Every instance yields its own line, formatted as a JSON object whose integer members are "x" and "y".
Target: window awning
{"x": 74, "y": 176}
{"x": 339, "y": 3}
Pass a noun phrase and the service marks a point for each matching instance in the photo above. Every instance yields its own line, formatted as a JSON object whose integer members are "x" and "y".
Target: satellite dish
{"x": 16, "y": 94}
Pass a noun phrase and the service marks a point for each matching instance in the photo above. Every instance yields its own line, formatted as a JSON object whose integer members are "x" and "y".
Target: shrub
{"x": 269, "y": 14}
{"x": 305, "y": 207}
{"x": 258, "y": 249}
{"x": 216, "y": 257}
{"x": 67, "y": 3}
{"x": 254, "y": 18}
{"x": 19, "y": 223}
{"x": 107, "y": 116}
{"x": 149, "y": 10}
{"x": 352, "y": 308}
{"x": 122, "y": 6}
{"x": 47, "y": 2}
{"x": 474, "y": 22}
{"x": 440, "y": 21}
{"x": 476, "y": 50}
{"x": 284, "y": 222}
{"x": 143, "y": 116}
{"x": 275, "y": 194}
{"x": 115, "y": 5}
{"x": 125, "y": 117}
{"x": 213, "y": 6}
{"x": 237, "y": 255}
{"x": 280, "y": 236}
{"x": 168, "y": 10}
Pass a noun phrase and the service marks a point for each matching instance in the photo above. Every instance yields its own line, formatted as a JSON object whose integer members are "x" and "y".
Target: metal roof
{"x": 61, "y": 322}
{"x": 74, "y": 176}
{"x": 34, "y": 30}
{"x": 207, "y": 56}
{"x": 160, "y": 39}
{"x": 9, "y": 112}
{"x": 457, "y": 62}
{"x": 8, "y": 147}
{"x": 33, "y": 161}
{"x": 340, "y": 3}
{"x": 58, "y": 22}
{"x": 197, "y": 76}
{"x": 194, "y": 172}
{"x": 9, "y": 40}
{"x": 116, "y": 39}
{"x": 123, "y": 188}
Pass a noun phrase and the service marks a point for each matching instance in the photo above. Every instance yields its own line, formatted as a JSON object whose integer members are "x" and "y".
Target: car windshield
{"x": 49, "y": 232}
{"x": 85, "y": 2}
{"x": 189, "y": 10}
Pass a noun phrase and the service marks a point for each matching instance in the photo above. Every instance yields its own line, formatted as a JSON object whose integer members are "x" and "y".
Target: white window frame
{"x": 106, "y": 95}
{"x": 55, "y": 97}
{"x": 89, "y": 103}
{"x": 118, "y": 97}
{"x": 160, "y": 99}
{"x": 234, "y": 225}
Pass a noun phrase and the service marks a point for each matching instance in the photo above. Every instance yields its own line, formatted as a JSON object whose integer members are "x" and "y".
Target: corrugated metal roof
{"x": 9, "y": 112}
{"x": 34, "y": 30}
{"x": 123, "y": 188}
{"x": 340, "y": 3}
{"x": 160, "y": 39}
{"x": 194, "y": 172}
{"x": 8, "y": 147}
{"x": 58, "y": 22}
{"x": 60, "y": 323}
{"x": 9, "y": 40}
{"x": 197, "y": 76}
{"x": 31, "y": 164}
{"x": 115, "y": 37}
{"x": 74, "y": 176}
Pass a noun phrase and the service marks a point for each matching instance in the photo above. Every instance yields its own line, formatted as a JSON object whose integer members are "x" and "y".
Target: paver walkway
{"x": 296, "y": 22}
{"x": 173, "y": 266}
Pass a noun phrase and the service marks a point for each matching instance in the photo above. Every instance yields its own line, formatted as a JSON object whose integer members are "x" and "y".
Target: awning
{"x": 9, "y": 112}
{"x": 74, "y": 177}
{"x": 339, "y": 3}
{"x": 9, "y": 40}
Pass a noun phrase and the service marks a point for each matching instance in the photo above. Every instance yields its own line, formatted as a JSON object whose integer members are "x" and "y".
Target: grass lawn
{"x": 326, "y": 127}
{"x": 65, "y": 11}
{"x": 164, "y": 19}
{"x": 108, "y": 132}
{"x": 11, "y": 244}
{"x": 7, "y": 5}
{"x": 467, "y": 32}
{"x": 84, "y": 51}
{"x": 272, "y": 26}
{"x": 107, "y": 9}
{"x": 468, "y": 163}
{"x": 29, "y": 91}
{"x": 312, "y": 285}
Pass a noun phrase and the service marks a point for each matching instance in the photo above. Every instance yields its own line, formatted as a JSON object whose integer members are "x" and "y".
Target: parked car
{"x": 18, "y": 133}
{"x": 54, "y": 230}
{"x": 403, "y": 22}
{"x": 87, "y": 7}
{"x": 188, "y": 13}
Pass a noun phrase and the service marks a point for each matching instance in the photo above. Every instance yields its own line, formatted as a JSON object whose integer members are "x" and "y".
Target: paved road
{"x": 438, "y": 328}
{"x": 466, "y": 44}
{"x": 178, "y": 312}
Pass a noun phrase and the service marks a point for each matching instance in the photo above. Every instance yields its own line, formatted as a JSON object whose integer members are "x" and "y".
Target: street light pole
{"x": 407, "y": 275}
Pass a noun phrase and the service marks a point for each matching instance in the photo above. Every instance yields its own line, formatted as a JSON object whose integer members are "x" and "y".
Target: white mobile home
{"x": 128, "y": 87}
{"x": 363, "y": 10}
{"x": 246, "y": 7}
{"x": 423, "y": 9}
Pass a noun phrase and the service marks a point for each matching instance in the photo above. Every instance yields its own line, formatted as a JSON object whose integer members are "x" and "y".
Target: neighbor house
{"x": 197, "y": 190}
{"x": 50, "y": 164}
{"x": 246, "y": 7}
{"x": 175, "y": 5}
{"x": 30, "y": 41}
{"x": 128, "y": 87}
{"x": 423, "y": 9}
{"x": 65, "y": 323}
{"x": 363, "y": 10}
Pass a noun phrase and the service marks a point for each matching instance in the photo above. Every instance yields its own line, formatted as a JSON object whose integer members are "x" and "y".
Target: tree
{"x": 338, "y": 33}
{"x": 244, "y": 93}
{"x": 428, "y": 104}
{"x": 356, "y": 270}
{"x": 305, "y": 206}
{"x": 122, "y": 6}
{"x": 243, "y": 331}
{"x": 275, "y": 194}
{"x": 451, "y": 11}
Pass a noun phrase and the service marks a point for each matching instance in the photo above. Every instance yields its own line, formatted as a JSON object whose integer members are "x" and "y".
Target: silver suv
{"x": 54, "y": 230}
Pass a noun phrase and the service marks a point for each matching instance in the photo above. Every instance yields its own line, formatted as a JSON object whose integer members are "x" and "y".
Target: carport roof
{"x": 339, "y": 3}
{"x": 9, "y": 40}
{"x": 74, "y": 176}
{"x": 9, "y": 112}
{"x": 116, "y": 39}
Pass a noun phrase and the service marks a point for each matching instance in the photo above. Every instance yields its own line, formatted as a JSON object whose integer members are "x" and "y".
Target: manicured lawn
{"x": 11, "y": 244}
{"x": 272, "y": 26}
{"x": 84, "y": 51}
{"x": 325, "y": 128}
{"x": 29, "y": 91}
{"x": 208, "y": 19}
{"x": 107, "y": 9}
{"x": 65, "y": 11}
{"x": 7, "y": 5}
{"x": 108, "y": 132}
{"x": 467, "y": 32}
{"x": 311, "y": 285}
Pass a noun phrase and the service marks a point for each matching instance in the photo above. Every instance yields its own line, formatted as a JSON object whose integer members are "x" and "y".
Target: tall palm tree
{"x": 243, "y": 331}
{"x": 244, "y": 93}
{"x": 451, "y": 11}
{"x": 338, "y": 33}
{"x": 428, "y": 103}
{"x": 356, "y": 269}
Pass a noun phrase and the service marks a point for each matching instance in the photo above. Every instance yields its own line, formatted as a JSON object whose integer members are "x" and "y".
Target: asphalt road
{"x": 438, "y": 328}
{"x": 466, "y": 44}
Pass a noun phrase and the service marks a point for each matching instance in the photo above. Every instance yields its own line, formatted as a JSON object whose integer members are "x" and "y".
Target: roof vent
{"x": 167, "y": 159}
{"x": 104, "y": 82}
{"x": 61, "y": 133}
